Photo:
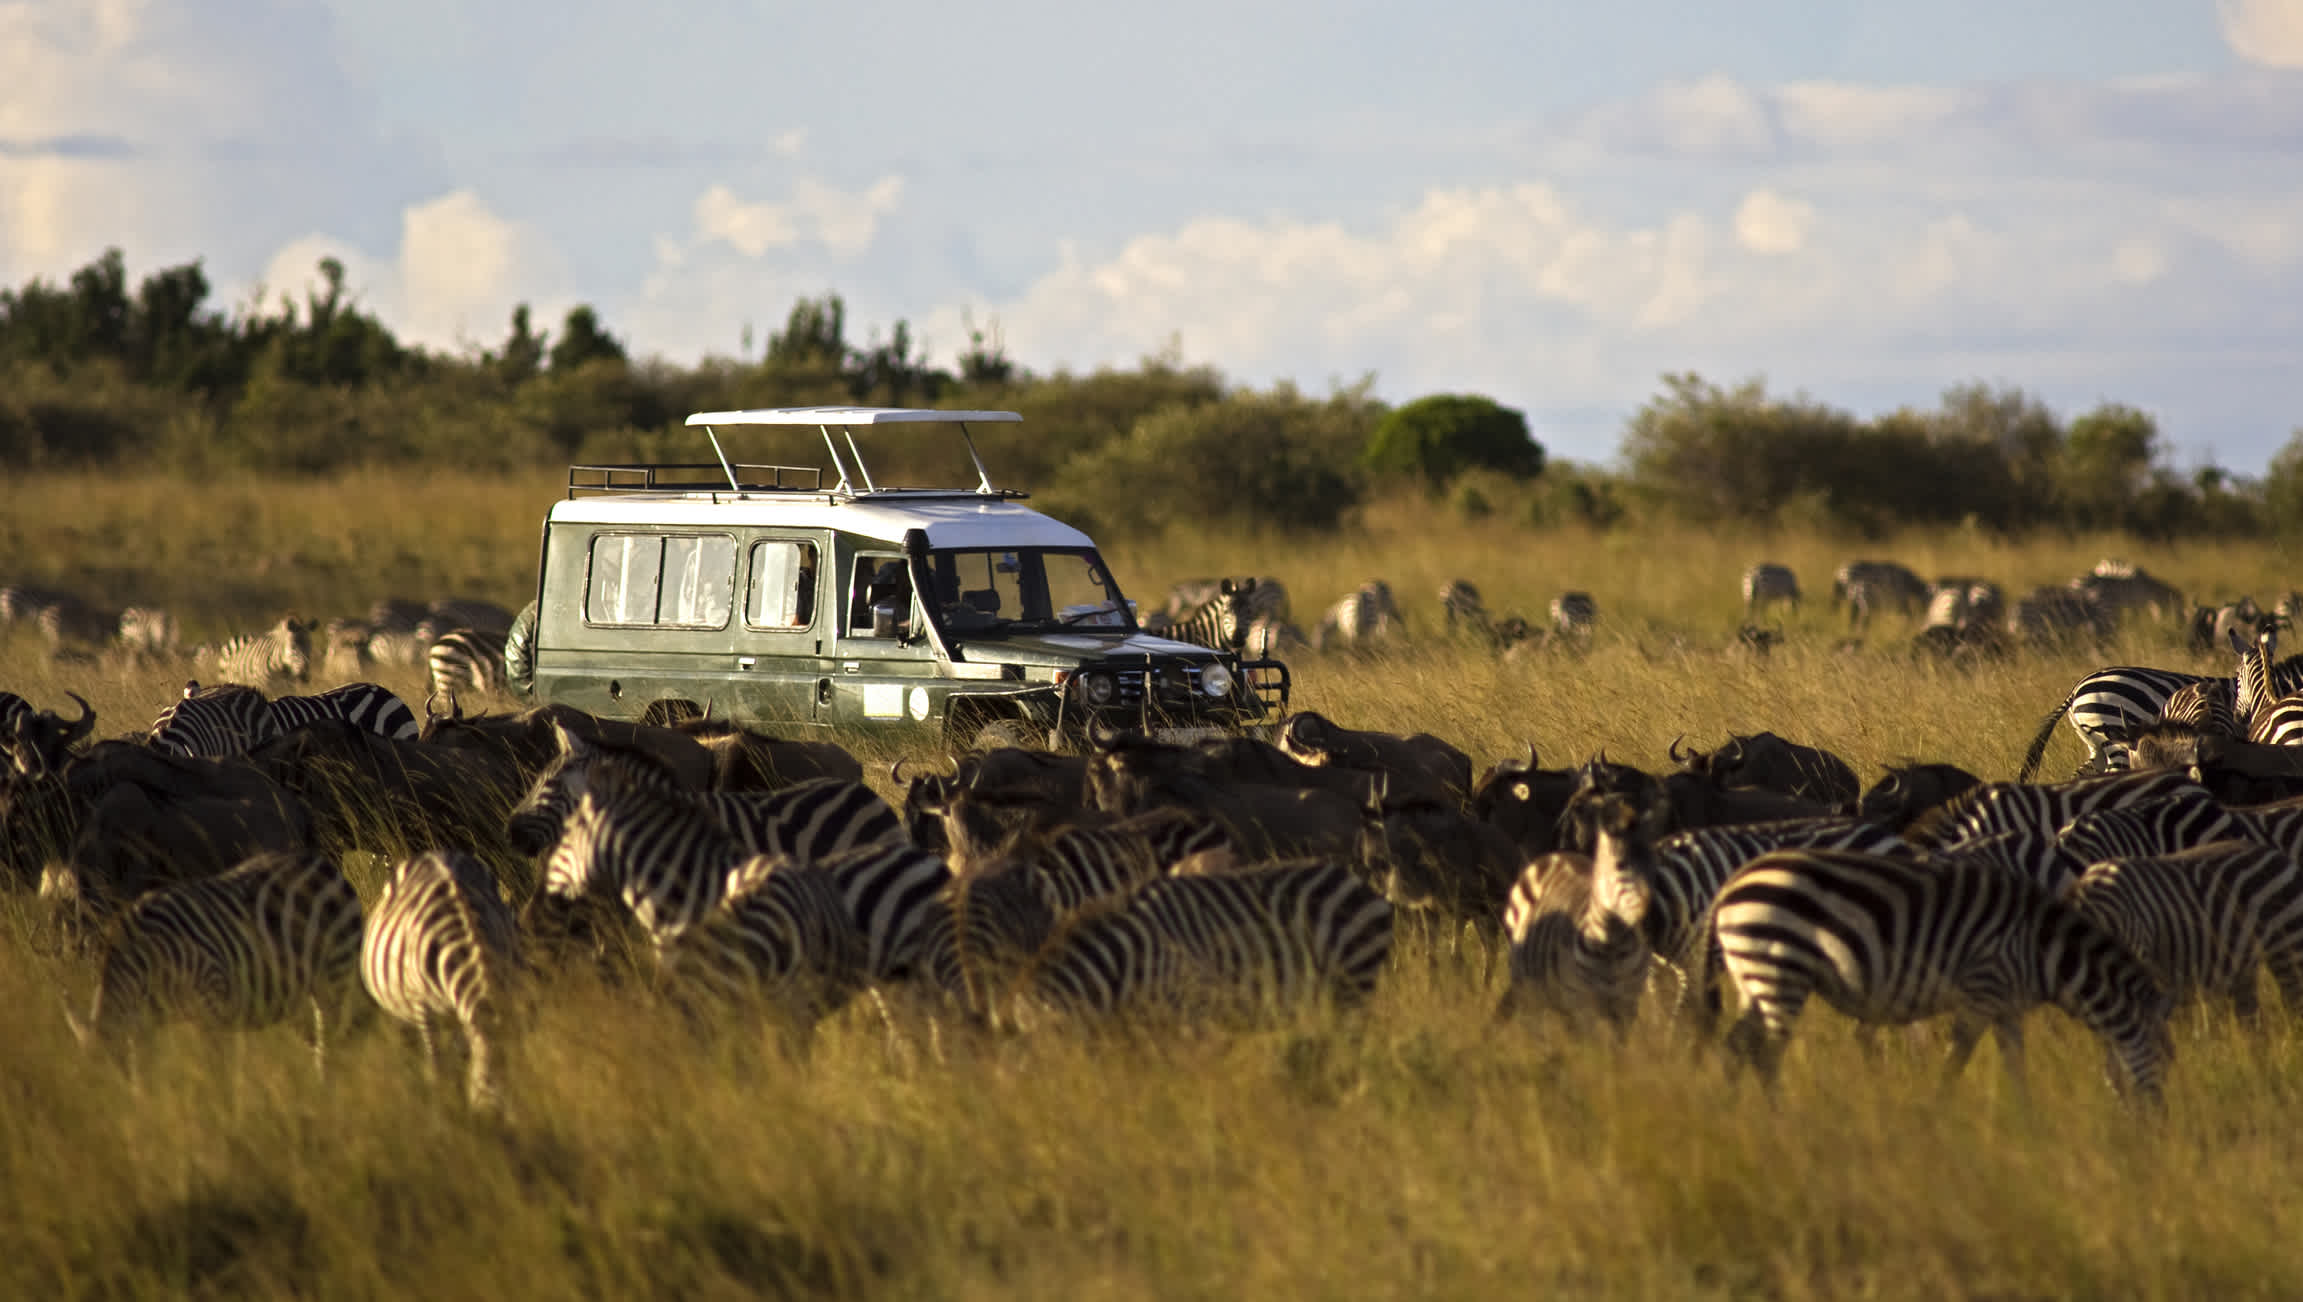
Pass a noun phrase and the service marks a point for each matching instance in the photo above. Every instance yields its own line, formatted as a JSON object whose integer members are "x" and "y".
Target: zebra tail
{"x": 2038, "y": 749}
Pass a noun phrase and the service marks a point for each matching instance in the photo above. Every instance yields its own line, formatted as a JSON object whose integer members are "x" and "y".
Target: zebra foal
{"x": 1889, "y": 941}
{"x": 441, "y": 946}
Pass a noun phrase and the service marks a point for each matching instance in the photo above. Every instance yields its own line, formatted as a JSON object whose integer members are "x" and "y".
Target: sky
{"x": 1550, "y": 203}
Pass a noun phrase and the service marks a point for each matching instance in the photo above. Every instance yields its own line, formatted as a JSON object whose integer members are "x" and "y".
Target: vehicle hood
{"x": 1064, "y": 650}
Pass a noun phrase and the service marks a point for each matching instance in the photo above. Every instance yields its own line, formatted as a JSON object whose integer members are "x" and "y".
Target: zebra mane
{"x": 1927, "y": 830}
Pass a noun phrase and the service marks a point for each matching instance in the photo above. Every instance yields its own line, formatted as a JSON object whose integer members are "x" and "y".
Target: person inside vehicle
{"x": 888, "y": 601}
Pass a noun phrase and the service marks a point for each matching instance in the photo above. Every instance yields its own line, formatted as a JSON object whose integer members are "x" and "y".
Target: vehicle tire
{"x": 1010, "y": 732}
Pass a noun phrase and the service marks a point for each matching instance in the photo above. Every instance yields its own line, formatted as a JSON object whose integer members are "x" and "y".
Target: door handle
{"x": 745, "y": 662}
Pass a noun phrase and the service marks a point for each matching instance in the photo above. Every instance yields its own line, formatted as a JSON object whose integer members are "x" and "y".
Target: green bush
{"x": 1440, "y": 437}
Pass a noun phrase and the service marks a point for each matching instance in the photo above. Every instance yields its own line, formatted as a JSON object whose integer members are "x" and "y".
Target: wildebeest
{"x": 1767, "y": 761}
{"x": 1419, "y": 764}
{"x": 1869, "y": 587}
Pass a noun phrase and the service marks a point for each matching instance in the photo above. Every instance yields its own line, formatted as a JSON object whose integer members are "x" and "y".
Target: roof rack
{"x": 824, "y": 418}
{"x": 691, "y": 477}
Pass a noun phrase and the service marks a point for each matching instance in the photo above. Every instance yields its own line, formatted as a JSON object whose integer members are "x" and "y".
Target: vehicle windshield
{"x": 1027, "y": 589}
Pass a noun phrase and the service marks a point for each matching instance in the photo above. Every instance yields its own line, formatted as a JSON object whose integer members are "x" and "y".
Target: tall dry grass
{"x": 1413, "y": 1149}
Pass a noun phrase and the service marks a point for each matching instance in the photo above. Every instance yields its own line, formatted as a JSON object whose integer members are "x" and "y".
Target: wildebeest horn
{"x": 1531, "y": 762}
{"x": 83, "y": 725}
{"x": 1673, "y": 750}
{"x": 429, "y": 698}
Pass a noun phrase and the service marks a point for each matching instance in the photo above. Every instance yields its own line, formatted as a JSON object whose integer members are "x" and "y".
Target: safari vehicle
{"x": 757, "y": 593}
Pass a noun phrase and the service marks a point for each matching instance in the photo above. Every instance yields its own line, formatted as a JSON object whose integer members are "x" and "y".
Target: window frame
{"x": 662, "y": 538}
{"x": 751, "y": 583}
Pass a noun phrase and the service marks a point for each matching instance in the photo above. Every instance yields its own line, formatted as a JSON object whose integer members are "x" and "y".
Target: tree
{"x": 583, "y": 339}
{"x": 814, "y": 335}
{"x": 523, "y": 354}
{"x": 2283, "y": 487}
{"x": 2107, "y": 461}
{"x": 1443, "y": 435}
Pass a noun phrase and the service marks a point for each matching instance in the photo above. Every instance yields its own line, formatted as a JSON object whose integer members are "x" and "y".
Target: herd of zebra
{"x": 1225, "y": 881}
{"x": 1957, "y": 616}
{"x": 460, "y": 641}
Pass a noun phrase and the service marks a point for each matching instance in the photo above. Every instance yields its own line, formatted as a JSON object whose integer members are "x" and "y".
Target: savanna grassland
{"x": 1413, "y": 1149}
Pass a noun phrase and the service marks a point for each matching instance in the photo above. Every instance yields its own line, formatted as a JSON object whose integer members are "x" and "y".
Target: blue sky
{"x": 1549, "y": 203}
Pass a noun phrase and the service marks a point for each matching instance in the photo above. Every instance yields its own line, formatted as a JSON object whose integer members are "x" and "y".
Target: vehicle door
{"x": 654, "y": 621}
{"x": 789, "y": 622}
{"x": 885, "y": 671}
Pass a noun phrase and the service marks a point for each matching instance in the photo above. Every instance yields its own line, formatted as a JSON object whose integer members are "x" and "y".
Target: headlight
{"x": 1098, "y": 689}
{"x": 1215, "y": 680}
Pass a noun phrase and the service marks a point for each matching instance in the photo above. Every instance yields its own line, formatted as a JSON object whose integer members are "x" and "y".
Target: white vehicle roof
{"x": 845, "y": 416}
{"x": 960, "y": 520}
{"x": 851, "y": 468}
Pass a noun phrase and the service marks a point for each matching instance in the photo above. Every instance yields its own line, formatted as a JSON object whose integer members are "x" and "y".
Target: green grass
{"x": 1411, "y": 1150}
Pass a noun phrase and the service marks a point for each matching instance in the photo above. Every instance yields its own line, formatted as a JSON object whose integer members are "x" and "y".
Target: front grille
{"x": 1173, "y": 686}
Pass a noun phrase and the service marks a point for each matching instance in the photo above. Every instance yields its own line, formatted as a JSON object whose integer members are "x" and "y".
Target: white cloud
{"x": 2268, "y": 32}
{"x": 458, "y": 273}
{"x": 1767, "y": 222}
{"x": 842, "y": 221}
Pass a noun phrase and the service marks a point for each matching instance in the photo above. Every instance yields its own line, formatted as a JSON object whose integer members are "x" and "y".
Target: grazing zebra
{"x": 367, "y": 706}
{"x": 1080, "y": 866}
{"x": 74, "y": 624}
{"x": 1577, "y": 926}
{"x": 2060, "y": 617}
{"x": 890, "y": 890}
{"x": 1363, "y": 618}
{"x": 466, "y": 660}
{"x": 2205, "y": 918}
{"x": 1992, "y": 807}
{"x": 1890, "y": 941}
{"x": 2105, "y": 706}
{"x": 1573, "y": 615}
{"x": 804, "y": 821}
{"x": 2208, "y": 706}
{"x": 1460, "y": 602}
{"x": 782, "y": 935}
{"x": 2121, "y": 587}
{"x": 213, "y": 722}
{"x": 441, "y": 946}
{"x": 1769, "y": 584}
{"x": 148, "y": 632}
{"x": 241, "y": 950}
{"x": 1869, "y": 587}
{"x": 661, "y": 853}
{"x": 256, "y": 659}
{"x": 983, "y": 931}
{"x": 2214, "y": 627}
{"x": 1235, "y": 945}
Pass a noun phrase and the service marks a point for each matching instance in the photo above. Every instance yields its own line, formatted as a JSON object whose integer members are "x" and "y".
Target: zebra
{"x": 2279, "y": 723}
{"x": 890, "y": 890}
{"x": 1364, "y": 617}
{"x": 804, "y": 821}
{"x": 1868, "y": 587}
{"x": 2060, "y": 618}
{"x": 2104, "y": 706}
{"x": 22, "y": 603}
{"x": 1080, "y": 866}
{"x": 466, "y": 660}
{"x": 983, "y": 931}
{"x": 147, "y": 633}
{"x": 2140, "y": 830}
{"x": 1233, "y": 943}
{"x": 212, "y": 722}
{"x": 520, "y": 653}
{"x": 370, "y": 707}
{"x": 1460, "y": 603}
{"x": 1890, "y": 941}
{"x": 256, "y": 659}
{"x": 1577, "y": 926}
{"x": 1268, "y": 639}
{"x": 239, "y": 950}
{"x": 1991, "y": 807}
{"x": 344, "y": 650}
{"x": 660, "y": 852}
{"x": 1266, "y": 597}
{"x": 441, "y": 946}
{"x": 74, "y": 625}
{"x": 1221, "y": 623}
{"x": 2204, "y": 918}
{"x": 1769, "y": 584}
{"x": 782, "y": 933}
{"x": 2120, "y": 587}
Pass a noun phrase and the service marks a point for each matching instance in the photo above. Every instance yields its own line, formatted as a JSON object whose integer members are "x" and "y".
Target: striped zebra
{"x": 2280, "y": 723}
{"x": 1769, "y": 584}
{"x": 520, "y": 653}
{"x": 241, "y": 950}
{"x": 2142, "y": 830}
{"x": 1891, "y": 941}
{"x": 441, "y": 946}
{"x": 1081, "y": 866}
{"x": 1239, "y": 946}
{"x": 982, "y": 933}
{"x": 1460, "y": 603}
{"x": 212, "y": 722}
{"x": 1221, "y": 623}
{"x": 781, "y": 936}
{"x": 2033, "y": 854}
{"x": 283, "y": 651}
{"x": 1362, "y": 618}
{"x": 1577, "y": 926}
{"x": 2205, "y": 919}
{"x": 804, "y": 822}
{"x": 369, "y": 707}
{"x": 148, "y": 633}
{"x": 467, "y": 661}
{"x": 1867, "y": 588}
{"x": 2120, "y": 586}
{"x": 660, "y": 852}
{"x": 2104, "y": 707}
{"x": 1992, "y": 807}
{"x": 1266, "y": 596}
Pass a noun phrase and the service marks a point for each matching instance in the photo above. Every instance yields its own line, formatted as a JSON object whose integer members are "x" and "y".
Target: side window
{"x": 659, "y": 580}
{"x": 879, "y": 580}
{"x": 627, "y": 569}
{"x": 783, "y": 591}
